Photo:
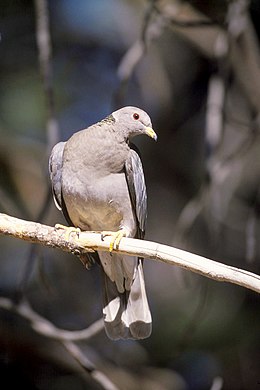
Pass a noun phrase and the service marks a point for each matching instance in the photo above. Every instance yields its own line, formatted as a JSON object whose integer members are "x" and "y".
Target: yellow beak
{"x": 151, "y": 133}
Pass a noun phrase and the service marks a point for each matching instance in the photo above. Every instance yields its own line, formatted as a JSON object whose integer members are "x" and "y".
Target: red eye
{"x": 136, "y": 116}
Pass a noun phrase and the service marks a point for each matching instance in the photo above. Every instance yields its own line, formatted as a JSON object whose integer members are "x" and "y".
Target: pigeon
{"x": 98, "y": 183}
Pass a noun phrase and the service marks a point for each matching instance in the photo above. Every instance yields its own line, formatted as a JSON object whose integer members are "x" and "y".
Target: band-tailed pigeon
{"x": 98, "y": 183}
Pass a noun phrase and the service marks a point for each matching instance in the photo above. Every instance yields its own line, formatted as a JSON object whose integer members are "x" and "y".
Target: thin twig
{"x": 45, "y": 54}
{"x": 151, "y": 29}
{"x": 92, "y": 241}
{"x": 52, "y": 129}
{"x": 44, "y": 327}
{"x": 88, "y": 366}
{"x": 243, "y": 53}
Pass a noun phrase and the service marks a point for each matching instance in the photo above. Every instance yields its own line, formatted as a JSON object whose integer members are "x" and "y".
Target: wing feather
{"x": 55, "y": 170}
{"x": 137, "y": 189}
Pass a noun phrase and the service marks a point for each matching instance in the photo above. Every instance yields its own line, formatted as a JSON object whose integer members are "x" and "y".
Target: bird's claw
{"x": 68, "y": 230}
{"x": 115, "y": 240}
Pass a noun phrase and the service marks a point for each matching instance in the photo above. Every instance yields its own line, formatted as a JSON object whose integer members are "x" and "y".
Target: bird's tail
{"x": 126, "y": 314}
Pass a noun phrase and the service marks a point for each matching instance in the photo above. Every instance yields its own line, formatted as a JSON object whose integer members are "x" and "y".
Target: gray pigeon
{"x": 98, "y": 183}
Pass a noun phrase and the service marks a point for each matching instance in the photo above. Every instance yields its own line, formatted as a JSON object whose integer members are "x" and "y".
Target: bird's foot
{"x": 116, "y": 238}
{"x": 68, "y": 230}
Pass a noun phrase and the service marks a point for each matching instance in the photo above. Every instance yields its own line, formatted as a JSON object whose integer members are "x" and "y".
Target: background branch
{"x": 45, "y": 53}
{"x": 44, "y": 47}
{"x": 44, "y": 327}
{"x": 91, "y": 241}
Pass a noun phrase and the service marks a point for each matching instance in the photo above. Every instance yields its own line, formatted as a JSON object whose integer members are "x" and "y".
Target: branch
{"x": 152, "y": 29}
{"x": 239, "y": 42}
{"x": 44, "y": 327}
{"x": 91, "y": 242}
{"x": 45, "y": 61}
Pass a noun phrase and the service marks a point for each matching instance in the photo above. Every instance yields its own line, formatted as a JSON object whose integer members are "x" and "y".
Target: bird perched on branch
{"x": 98, "y": 183}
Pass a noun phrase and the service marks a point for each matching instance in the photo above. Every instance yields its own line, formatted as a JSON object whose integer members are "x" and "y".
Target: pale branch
{"x": 152, "y": 29}
{"x": 88, "y": 366}
{"x": 44, "y": 327}
{"x": 92, "y": 241}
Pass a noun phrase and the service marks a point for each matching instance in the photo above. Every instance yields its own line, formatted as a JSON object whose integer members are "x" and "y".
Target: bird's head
{"x": 134, "y": 121}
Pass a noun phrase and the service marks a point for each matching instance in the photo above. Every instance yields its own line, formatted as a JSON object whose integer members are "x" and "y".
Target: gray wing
{"x": 127, "y": 314}
{"x": 55, "y": 170}
{"x": 137, "y": 189}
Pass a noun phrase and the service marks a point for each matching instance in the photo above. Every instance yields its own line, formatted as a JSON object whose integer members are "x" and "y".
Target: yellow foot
{"x": 116, "y": 238}
{"x": 68, "y": 230}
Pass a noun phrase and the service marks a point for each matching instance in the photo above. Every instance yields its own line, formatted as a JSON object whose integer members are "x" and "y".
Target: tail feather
{"x": 126, "y": 314}
{"x": 140, "y": 320}
{"x": 120, "y": 269}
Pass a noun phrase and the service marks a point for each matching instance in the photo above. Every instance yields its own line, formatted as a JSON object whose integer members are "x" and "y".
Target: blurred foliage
{"x": 204, "y": 199}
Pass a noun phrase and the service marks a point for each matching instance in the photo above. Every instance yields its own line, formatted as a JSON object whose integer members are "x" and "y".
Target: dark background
{"x": 202, "y": 180}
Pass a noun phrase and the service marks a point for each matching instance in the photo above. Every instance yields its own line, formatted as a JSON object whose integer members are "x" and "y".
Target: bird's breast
{"x": 94, "y": 185}
{"x": 99, "y": 203}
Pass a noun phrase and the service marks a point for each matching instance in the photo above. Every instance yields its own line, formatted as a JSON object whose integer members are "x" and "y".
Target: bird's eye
{"x": 136, "y": 116}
